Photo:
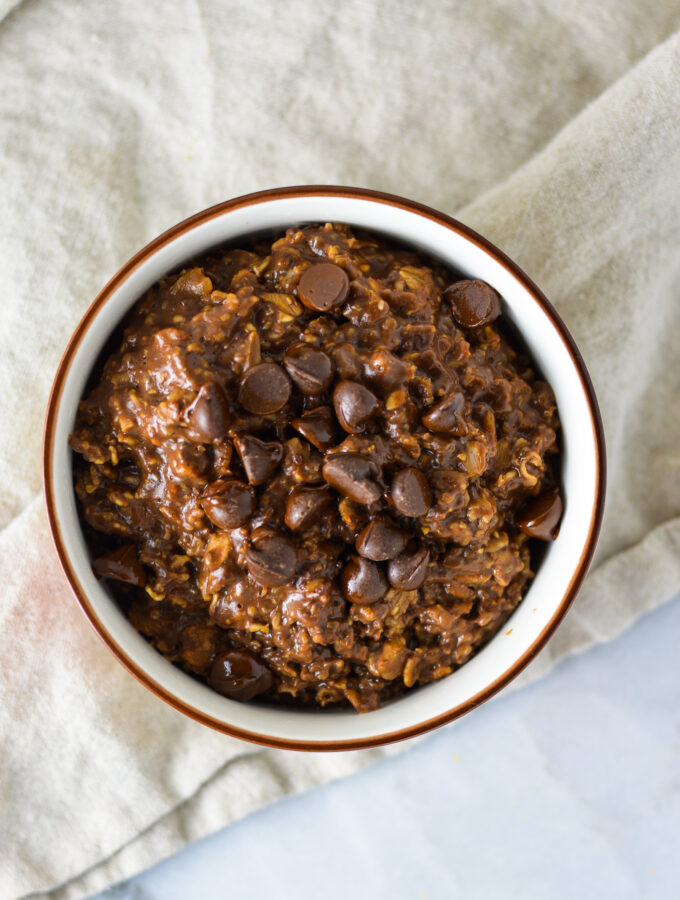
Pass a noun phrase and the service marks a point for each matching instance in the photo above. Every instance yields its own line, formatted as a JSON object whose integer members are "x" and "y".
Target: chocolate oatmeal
{"x": 312, "y": 470}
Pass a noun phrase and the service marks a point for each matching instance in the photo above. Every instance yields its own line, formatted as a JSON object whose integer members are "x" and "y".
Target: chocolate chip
{"x": 318, "y": 427}
{"x": 260, "y": 460}
{"x": 354, "y": 406}
{"x": 270, "y": 558}
{"x": 353, "y": 475}
{"x": 411, "y": 492}
{"x": 207, "y": 416}
{"x": 386, "y": 371}
{"x": 409, "y": 570}
{"x": 381, "y": 539}
{"x": 228, "y": 503}
{"x": 446, "y": 417}
{"x": 323, "y": 286}
{"x": 121, "y": 565}
{"x": 540, "y": 516}
{"x": 239, "y": 675}
{"x": 473, "y": 303}
{"x": 310, "y": 369}
{"x": 305, "y": 506}
{"x": 264, "y": 389}
{"x": 363, "y": 581}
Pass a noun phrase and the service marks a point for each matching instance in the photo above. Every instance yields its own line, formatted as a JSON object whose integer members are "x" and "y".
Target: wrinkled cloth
{"x": 550, "y": 127}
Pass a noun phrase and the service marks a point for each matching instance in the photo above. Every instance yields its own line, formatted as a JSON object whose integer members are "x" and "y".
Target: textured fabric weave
{"x": 550, "y": 127}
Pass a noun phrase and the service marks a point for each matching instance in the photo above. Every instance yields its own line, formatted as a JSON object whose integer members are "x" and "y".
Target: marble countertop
{"x": 568, "y": 788}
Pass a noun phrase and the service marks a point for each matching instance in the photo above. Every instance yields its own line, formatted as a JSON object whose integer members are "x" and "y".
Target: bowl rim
{"x": 448, "y": 222}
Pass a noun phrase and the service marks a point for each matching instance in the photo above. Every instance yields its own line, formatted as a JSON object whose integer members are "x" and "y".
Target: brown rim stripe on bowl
{"x": 496, "y": 254}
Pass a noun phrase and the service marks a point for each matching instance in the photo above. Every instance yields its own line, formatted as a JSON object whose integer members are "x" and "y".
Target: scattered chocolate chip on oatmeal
{"x": 312, "y": 472}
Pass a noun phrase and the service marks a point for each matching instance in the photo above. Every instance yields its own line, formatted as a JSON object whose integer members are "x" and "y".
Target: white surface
{"x": 579, "y": 467}
{"x": 567, "y": 789}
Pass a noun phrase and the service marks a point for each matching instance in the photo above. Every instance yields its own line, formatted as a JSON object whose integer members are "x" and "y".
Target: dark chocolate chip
{"x": 323, "y": 286}
{"x": 411, "y": 492}
{"x": 264, "y": 389}
{"x": 318, "y": 427}
{"x": 473, "y": 303}
{"x": 409, "y": 570}
{"x": 239, "y": 675}
{"x": 540, "y": 516}
{"x": 310, "y": 369}
{"x": 386, "y": 371}
{"x": 446, "y": 416}
{"x": 271, "y": 559}
{"x": 381, "y": 539}
{"x": 353, "y": 475}
{"x": 228, "y": 503}
{"x": 260, "y": 460}
{"x": 363, "y": 581}
{"x": 121, "y": 565}
{"x": 207, "y": 416}
{"x": 354, "y": 406}
{"x": 305, "y": 506}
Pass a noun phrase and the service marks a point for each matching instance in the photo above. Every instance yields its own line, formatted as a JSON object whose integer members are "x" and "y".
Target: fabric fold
{"x": 593, "y": 217}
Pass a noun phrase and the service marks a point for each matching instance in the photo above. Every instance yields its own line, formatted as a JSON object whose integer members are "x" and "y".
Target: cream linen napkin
{"x": 551, "y": 127}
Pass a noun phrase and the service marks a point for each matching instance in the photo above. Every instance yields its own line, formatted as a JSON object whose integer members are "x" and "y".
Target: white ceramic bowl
{"x": 583, "y": 467}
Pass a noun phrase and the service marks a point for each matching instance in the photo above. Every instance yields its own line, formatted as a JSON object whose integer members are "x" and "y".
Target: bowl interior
{"x": 544, "y": 599}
